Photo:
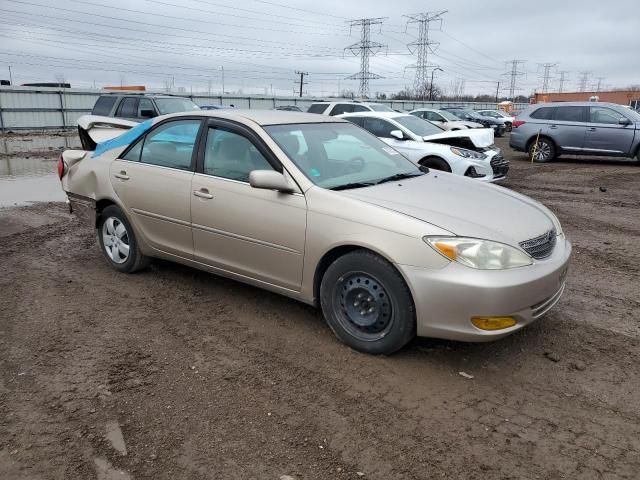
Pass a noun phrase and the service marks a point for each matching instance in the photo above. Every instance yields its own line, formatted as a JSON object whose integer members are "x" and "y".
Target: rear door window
{"x": 570, "y": 114}
{"x": 128, "y": 108}
{"x": 341, "y": 108}
{"x": 104, "y": 105}
{"x": 171, "y": 144}
{"x": 317, "y": 108}
{"x": 544, "y": 113}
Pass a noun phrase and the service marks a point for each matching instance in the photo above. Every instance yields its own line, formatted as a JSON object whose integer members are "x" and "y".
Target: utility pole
{"x": 584, "y": 79}
{"x": 547, "y": 75}
{"x": 10, "y": 76}
{"x": 302, "y": 82}
{"x": 563, "y": 79}
{"x": 431, "y": 84}
{"x": 514, "y": 73}
{"x": 497, "y": 91}
{"x": 421, "y": 48}
{"x": 222, "y": 69}
{"x": 365, "y": 48}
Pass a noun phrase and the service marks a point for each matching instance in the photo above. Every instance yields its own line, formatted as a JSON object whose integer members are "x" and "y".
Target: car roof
{"x": 263, "y": 117}
{"x": 375, "y": 114}
{"x": 574, "y": 104}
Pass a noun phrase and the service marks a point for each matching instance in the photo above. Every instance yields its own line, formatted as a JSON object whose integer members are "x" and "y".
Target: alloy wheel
{"x": 115, "y": 240}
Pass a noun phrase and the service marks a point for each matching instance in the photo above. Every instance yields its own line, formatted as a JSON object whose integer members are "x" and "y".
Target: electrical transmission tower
{"x": 547, "y": 75}
{"x": 563, "y": 79}
{"x": 584, "y": 79}
{"x": 421, "y": 48}
{"x": 365, "y": 48}
{"x": 599, "y": 87}
{"x": 514, "y": 73}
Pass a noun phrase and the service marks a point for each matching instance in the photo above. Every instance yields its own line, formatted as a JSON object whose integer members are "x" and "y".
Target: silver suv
{"x": 582, "y": 128}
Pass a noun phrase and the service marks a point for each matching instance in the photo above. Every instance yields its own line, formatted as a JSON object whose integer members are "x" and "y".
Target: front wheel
{"x": 118, "y": 243}
{"x": 542, "y": 151}
{"x": 367, "y": 303}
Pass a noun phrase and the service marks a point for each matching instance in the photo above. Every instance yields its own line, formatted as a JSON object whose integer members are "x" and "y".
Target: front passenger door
{"x": 606, "y": 134}
{"x": 251, "y": 232}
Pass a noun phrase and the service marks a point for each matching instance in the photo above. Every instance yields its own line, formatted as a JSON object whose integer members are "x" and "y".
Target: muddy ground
{"x": 173, "y": 373}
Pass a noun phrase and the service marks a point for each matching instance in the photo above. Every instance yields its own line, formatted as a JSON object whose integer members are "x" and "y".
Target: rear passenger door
{"x": 605, "y": 133}
{"x": 153, "y": 181}
{"x": 569, "y": 127}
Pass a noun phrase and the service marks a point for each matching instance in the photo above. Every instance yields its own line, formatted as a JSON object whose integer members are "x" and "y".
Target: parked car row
{"x": 327, "y": 210}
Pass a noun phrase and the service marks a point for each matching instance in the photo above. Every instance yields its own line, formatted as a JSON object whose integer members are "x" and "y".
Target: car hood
{"x": 462, "y": 206}
{"x": 480, "y": 138}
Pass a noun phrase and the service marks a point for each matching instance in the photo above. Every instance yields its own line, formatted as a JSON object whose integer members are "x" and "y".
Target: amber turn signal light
{"x": 493, "y": 323}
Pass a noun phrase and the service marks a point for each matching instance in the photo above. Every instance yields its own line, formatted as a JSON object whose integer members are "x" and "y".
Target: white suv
{"x": 338, "y": 108}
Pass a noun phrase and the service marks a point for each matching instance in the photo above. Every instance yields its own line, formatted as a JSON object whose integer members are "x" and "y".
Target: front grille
{"x": 540, "y": 247}
{"x": 499, "y": 165}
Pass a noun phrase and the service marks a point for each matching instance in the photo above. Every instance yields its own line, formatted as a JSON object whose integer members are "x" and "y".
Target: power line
{"x": 302, "y": 82}
{"x": 365, "y": 48}
{"x": 421, "y": 48}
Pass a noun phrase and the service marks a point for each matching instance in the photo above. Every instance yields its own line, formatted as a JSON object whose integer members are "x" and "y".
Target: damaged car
{"x": 318, "y": 209}
{"x": 470, "y": 153}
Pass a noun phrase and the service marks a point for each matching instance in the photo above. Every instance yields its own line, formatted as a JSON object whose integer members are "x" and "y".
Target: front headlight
{"x": 463, "y": 152}
{"x": 556, "y": 223}
{"x": 479, "y": 254}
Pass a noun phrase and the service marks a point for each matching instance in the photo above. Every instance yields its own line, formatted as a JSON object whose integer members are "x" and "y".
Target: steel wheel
{"x": 115, "y": 239}
{"x": 363, "y": 306}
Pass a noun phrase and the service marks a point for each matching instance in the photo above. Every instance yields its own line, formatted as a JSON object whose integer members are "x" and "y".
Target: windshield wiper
{"x": 348, "y": 186}
{"x": 399, "y": 176}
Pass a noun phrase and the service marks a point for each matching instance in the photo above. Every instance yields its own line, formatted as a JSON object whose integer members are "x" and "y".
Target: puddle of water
{"x": 25, "y": 180}
{"x": 12, "y": 144}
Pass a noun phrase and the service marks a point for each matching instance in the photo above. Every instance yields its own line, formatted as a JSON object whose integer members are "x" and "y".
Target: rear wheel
{"x": 367, "y": 304}
{"x": 436, "y": 163}
{"x": 118, "y": 242}
{"x": 542, "y": 151}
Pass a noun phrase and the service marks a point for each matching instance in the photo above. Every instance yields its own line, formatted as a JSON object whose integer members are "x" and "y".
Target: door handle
{"x": 122, "y": 175}
{"x": 554, "y": 126}
{"x": 592, "y": 129}
{"x": 203, "y": 193}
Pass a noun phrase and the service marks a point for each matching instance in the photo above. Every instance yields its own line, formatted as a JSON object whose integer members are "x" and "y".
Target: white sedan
{"x": 470, "y": 153}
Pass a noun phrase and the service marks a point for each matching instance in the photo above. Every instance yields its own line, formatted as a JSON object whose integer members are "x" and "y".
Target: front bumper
{"x": 447, "y": 299}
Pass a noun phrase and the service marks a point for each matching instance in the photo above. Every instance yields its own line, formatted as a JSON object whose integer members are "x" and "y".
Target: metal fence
{"x": 52, "y": 108}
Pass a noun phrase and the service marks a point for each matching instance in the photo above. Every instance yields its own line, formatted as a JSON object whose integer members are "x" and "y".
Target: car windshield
{"x": 635, "y": 116}
{"x": 175, "y": 105}
{"x": 340, "y": 155}
{"x": 417, "y": 126}
{"x": 378, "y": 107}
{"x": 448, "y": 115}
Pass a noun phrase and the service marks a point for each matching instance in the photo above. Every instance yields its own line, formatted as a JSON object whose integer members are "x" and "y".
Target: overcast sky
{"x": 260, "y": 44}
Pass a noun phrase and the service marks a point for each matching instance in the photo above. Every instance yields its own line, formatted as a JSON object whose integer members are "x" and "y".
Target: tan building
{"x": 621, "y": 97}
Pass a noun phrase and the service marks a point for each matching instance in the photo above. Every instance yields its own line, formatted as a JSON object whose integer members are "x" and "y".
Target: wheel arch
{"x": 425, "y": 160}
{"x": 546, "y": 137}
{"x": 336, "y": 252}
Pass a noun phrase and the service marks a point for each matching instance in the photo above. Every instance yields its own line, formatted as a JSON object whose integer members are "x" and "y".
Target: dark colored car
{"x": 471, "y": 116}
{"x": 139, "y": 107}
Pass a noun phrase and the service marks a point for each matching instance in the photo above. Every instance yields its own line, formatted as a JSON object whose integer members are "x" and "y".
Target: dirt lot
{"x": 174, "y": 373}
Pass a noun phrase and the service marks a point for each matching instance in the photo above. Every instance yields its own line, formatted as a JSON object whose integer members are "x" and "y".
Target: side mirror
{"x": 397, "y": 134}
{"x": 270, "y": 180}
{"x": 624, "y": 121}
{"x": 147, "y": 113}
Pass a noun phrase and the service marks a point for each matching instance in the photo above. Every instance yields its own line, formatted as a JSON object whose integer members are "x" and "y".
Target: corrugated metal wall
{"x": 40, "y": 108}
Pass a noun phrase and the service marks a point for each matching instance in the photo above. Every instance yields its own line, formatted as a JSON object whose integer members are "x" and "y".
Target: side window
{"x": 104, "y": 105}
{"x": 171, "y": 144}
{"x": 233, "y": 156}
{"x": 604, "y": 115}
{"x": 360, "y": 108}
{"x": 128, "y": 107}
{"x": 570, "y": 114}
{"x": 317, "y": 108}
{"x": 380, "y": 128}
{"x": 357, "y": 120}
{"x": 544, "y": 113}
{"x": 433, "y": 116}
{"x": 341, "y": 108}
{"x": 146, "y": 108}
{"x": 133, "y": 155}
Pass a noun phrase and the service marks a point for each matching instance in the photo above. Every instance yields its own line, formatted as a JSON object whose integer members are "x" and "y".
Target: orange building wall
{"x": 621, "y": 97}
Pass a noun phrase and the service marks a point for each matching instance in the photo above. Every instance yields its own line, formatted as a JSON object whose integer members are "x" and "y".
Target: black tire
{"x": 545, "y": 150}
{"x": 134, "y": 260}
{"x": 362, "y": 281}
{"x": 435, "y": 163}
